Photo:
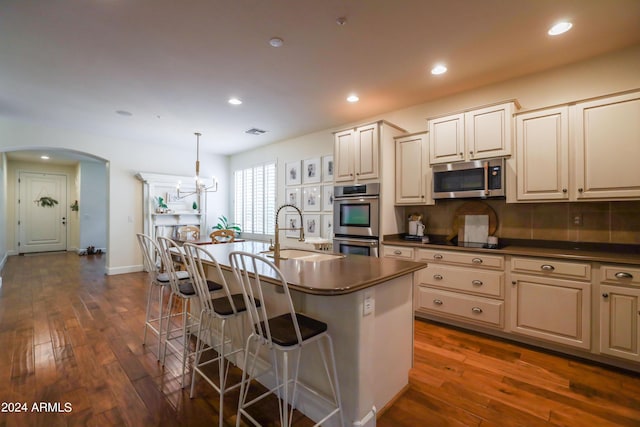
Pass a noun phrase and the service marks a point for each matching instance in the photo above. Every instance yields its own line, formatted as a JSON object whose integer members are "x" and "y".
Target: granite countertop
{"x": 339, "y": 276}
{"x": 588, "y": 252}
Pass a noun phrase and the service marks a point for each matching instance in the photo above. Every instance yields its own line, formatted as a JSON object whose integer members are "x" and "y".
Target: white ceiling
{"x": 173, "y": 64}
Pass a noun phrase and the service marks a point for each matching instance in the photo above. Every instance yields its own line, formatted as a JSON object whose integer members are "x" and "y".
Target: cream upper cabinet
{"x": 356, "y": 153}
{"x": 413, "y": 173}
{"x": 542, "y": 154}
{"x": 476, "y": 134}
{"x": 606, "y": 138}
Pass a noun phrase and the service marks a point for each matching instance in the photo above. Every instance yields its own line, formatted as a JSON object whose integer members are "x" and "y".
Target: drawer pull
{"x": 437, "y": 301}
{"x": 624, "y": 275}
{"x": 547, "y": 267}
{"x": 477, "y": 282}
{"x": 437, "y": 256}
{"x": 476, "y": 310}
{"x": 437, "y": 276}
{"x": 397, "y": 252}
{"x": 477, "y": 260}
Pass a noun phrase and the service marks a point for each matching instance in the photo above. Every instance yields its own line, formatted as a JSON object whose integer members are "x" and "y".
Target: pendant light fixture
{"x": 200, "y": 185}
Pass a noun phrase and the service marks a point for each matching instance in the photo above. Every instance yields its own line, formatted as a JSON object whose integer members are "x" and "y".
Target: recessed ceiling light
{"x": 124, "y": 113}
{"x": 276, "y": 42}
{"x": 353, "y": 98}
{"x": 438, "y": 69}
{"x": 44, "y": 157}
{"x": 559, "y": 28}
{"x": 341, "y": 21}
{"x": 235, "y": 101}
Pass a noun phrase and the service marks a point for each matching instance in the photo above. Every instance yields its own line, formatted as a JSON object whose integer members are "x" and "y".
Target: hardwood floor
{"x": 71, "y": 335}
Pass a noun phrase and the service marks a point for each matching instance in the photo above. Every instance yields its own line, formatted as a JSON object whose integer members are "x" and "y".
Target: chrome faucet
{"x": 276, "y": 246}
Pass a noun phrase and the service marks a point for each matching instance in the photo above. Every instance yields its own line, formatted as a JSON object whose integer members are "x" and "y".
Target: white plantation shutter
{"x": 255, "y": 198}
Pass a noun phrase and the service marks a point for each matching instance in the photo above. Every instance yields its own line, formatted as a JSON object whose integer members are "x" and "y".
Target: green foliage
{"x": 161, "y": 203}
{"x": 224, "y": 224}
{"x": 46, "y": 202}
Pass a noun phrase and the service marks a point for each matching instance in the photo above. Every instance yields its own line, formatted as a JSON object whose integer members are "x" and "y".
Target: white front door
{"x": 42, "y": 223}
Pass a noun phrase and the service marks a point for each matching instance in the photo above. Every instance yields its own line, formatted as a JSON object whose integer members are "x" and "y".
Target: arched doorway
{"x": 84, "y": 213}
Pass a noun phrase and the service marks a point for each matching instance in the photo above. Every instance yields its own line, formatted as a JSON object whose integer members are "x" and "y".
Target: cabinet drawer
{"x": 551, "y": 268}
{"x": 620, "y": 274}
{"x": 397, "y": 252}
{"x": 461, "y": 258}
{"x": 477, "y": 309}
{"x": 471, "y": 280}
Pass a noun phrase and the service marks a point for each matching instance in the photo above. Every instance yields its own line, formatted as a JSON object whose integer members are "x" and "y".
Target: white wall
{"x": 93, "y": 205}
{"x": 124, "y": 194}
{"x": 3, "y": 208}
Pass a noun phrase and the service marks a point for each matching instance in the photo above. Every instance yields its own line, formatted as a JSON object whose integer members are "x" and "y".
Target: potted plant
{"x": 224, "y": 224}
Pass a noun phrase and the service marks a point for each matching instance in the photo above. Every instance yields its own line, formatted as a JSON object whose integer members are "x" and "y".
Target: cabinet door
{"x": 620, "y": 322}
{"x": 343, "y": 162}
{"x": 542, "y": 155}
{"x": 488, "y": 132}
{"x": 552, "y": 310}
{"x": 446, "y": 139}
{"x": 366, "y": 146}
{"x": 413, "y": 174}
{"x": 607, "y": 147}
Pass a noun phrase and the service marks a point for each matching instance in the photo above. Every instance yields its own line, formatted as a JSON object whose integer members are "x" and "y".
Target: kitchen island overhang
{"x": 367, "y": 303}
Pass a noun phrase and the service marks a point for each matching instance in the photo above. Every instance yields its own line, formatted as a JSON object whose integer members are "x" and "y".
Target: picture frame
{"x": 311, "y": 199}
{"x": 292, "y": 173}
{"x": 312, "y": 225}
{"x": 327, "y": 168}
{"x": 327, "y": 197}
{"x": 327, "y": 226}
{"x": 311, "y": 171}
{"x": 292, "y": 197}
{"x": 292, "y": 221}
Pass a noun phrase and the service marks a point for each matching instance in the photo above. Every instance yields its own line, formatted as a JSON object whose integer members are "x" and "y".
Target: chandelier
{"x": 200, "y": 185}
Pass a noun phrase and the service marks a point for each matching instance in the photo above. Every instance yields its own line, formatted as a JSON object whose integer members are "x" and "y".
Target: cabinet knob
{"x": 461, "y": 153}
{"x": 422, "y": 196}
{"x": 564, "y": 190}
{"x": 580, "y": 190}
{"x": 471, "y": 153}
{"x": 477, "y": 282}
{"x": 623, "y": 275}
{"x": 605, "y": 295}
{"x": 437, "y": 276}
{"x": 437, "y": 301}
{"x": 547, "y": 267}
{"x": 437, "y": 256}
{"x": 514, "y": 282}
{"x": 477, "y": 260}
{"x": 476, "y": 310}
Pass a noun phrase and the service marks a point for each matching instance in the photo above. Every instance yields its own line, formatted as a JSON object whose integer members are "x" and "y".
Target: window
{"x": 255, "y": 198}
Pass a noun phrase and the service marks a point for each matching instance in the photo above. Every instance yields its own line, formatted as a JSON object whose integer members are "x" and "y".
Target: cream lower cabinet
{"x": 461, "y": 285}
{"x": 551, "y": 300}
{"x": 620, "y": 311}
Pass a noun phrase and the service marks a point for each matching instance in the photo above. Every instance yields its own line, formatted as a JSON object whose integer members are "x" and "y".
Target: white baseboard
{"x": 111, "y": 271}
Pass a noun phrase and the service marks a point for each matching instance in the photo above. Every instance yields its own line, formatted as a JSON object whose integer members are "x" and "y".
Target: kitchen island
{"x": 367, "y": 303}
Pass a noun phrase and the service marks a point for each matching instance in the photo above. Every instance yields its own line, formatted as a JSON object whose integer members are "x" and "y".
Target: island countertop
{"x": 338, "y": 276}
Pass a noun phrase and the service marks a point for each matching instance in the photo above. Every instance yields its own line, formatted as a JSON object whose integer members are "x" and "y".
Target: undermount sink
{"x": 305, "y": 255}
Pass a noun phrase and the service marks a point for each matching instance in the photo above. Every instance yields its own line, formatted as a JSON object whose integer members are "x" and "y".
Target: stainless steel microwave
{"x": 476, "y": 179}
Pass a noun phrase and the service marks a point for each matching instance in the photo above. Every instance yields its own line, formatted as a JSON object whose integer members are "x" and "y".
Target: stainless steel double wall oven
{"x": 356, "y": 219}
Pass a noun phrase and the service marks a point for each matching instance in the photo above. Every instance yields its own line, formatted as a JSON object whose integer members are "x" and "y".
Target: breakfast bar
{"x": 367, "y": 305}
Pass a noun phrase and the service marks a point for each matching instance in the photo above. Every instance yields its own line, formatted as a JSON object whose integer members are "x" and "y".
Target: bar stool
{"x": 283, "y": 333}
{"x": 219, "y": 309}
{"x": 181, "y": 292}
{"x": 158, "y": 280}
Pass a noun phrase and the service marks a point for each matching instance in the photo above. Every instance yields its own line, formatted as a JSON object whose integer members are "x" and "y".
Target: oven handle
{"x": 341, "y": 198}
{"x": 370, "y": 242}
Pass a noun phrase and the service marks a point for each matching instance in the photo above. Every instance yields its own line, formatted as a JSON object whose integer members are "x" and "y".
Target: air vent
{"x": 255, "y": 131}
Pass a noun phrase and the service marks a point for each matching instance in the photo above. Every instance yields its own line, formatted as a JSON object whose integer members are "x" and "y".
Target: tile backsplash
{"x": 600, "y": 222}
